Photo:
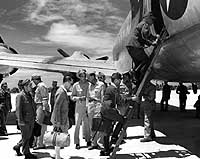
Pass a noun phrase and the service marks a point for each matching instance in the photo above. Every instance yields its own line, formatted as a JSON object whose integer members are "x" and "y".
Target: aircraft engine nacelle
{"x": 6, "y": 70}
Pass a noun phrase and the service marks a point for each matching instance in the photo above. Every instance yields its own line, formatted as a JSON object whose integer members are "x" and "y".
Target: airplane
{"x": 179, "y": 54}
{"x": 11, "y": 60}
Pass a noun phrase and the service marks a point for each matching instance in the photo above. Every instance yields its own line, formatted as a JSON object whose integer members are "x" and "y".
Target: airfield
{"x": 177, "y": 137}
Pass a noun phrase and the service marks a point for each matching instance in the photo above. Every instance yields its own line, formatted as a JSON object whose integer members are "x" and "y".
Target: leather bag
{"x": 60, "y": 139}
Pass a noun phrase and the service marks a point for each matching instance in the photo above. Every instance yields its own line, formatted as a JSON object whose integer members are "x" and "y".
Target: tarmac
{"x": 177, "y": 136}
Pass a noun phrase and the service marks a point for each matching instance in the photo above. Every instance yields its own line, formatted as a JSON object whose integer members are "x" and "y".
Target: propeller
{"x": 103, "y": 58}
{"x": 63, "y": 53}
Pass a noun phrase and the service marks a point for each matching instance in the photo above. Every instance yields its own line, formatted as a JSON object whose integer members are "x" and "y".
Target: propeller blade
{"x": 63, "y": 53}
{"x": 103, "y": 58}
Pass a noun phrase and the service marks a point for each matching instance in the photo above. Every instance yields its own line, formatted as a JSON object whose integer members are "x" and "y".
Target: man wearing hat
{"x": 79, "y": 94}
{"x": 25, "y": 112}
{"x": 140, "y": 39}
{"x": 41, "y": 99}
{"x": 111, "y": 101}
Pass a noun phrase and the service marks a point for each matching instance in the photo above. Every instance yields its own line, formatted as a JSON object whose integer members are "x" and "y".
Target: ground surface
{"x": 177, "y": 137}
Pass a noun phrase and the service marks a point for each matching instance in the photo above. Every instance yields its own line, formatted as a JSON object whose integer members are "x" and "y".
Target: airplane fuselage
{"x": 179, "y": 55}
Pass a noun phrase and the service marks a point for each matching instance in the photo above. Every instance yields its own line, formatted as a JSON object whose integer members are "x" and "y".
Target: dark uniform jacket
{"x": 25, "y": 108}
{"x": 182, "y": 91}
{"x": 5, "y": 100}
{"x": 166, "y": 92}
{"x": 142, "y": 36}
{"x": 110, "y": 111}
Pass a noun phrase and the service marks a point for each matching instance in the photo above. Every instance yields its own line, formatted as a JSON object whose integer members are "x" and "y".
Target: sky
{"x": 39, "y": 27}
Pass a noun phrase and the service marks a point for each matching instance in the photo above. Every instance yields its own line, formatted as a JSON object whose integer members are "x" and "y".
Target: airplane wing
{"x": 55, "y": 64}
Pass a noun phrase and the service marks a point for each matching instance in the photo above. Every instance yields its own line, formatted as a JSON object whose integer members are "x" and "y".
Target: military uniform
{"x": 165, "y": 97}
{"x": 25, "y": 112}
{"x": 149, "y": 94}
{"x": 182, "y": 91}
{"x": 41, "y": 100}
{"x": 5, "y": 107}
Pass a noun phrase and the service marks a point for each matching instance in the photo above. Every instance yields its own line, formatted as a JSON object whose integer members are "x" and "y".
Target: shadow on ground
{"x": 180, "y": 128}
{"x": 160, "y": 154}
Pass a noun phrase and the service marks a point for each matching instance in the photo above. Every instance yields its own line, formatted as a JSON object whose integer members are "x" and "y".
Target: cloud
{"x": 7, "y": 27}
{"x": 82, "y": 36}
{"x": 84, "y": 24}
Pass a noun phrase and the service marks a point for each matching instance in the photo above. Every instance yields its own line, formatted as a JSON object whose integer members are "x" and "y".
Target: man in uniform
{"x": 95, "y": 99}
{"x": 182, "y": 91}
{"x": 5, "y": 107}
{"x": 109, "y": 111}
{"x": 25, "y": 112}
{"x": 41, "y": 99}
{"x": 141, "y": 39}
{"x": 149, "y": 94}
{"x": 165, "y": 97}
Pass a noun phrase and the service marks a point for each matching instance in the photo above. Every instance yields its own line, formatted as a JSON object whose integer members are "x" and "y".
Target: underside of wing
{"x": 179, "y": 57}
{"x": 56, "y": 64}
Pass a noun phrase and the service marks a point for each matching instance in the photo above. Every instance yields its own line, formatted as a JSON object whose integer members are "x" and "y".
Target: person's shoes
{"x": 104, "y": 153}
{"x": 17, "y": 149}
{"x": 40, "y": 147}
{"x": 146, "y": 140}
{"x": 77, "y": 146}
{"x": 30, "y": 156}
{"x": 89, "y": 143}
{"x": 93, "y": 147}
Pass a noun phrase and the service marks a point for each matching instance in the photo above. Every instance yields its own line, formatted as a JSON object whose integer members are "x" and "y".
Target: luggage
{"x": 60, "y": 139}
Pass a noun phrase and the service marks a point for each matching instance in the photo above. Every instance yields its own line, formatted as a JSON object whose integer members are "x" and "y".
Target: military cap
{"x": 25, "y": 82}
{"x": 116, "y": 75}
{"x": 35, "y": 77}
{"x": 80, "y": 72}
{"x": 100, "y": 74}
{"x": 149, "y": 15}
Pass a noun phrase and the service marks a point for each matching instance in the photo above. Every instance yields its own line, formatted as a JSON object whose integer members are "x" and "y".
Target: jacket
{"x": 5, "y": 100}
{"x": 25, "y": 108}
{"x": 61, "y": 107}
{"x": 110, "y": 111}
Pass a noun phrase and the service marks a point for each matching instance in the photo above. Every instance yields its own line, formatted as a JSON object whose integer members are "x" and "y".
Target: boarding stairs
{"x": 130, "y": 110}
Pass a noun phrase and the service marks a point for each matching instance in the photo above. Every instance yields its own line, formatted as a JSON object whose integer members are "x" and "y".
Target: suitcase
{"x": 60, "y": 139}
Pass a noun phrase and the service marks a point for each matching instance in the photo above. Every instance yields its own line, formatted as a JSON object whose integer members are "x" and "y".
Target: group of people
{"x": 92, "y": 97}
{"x": 166, "y": 92}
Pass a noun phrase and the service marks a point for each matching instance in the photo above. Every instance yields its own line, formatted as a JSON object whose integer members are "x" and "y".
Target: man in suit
{"x": 25, "y": 112}
{"x": 60, "y": 112}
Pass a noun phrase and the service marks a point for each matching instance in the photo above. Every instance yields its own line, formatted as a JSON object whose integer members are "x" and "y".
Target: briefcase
{"x": 60, "y": 139}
